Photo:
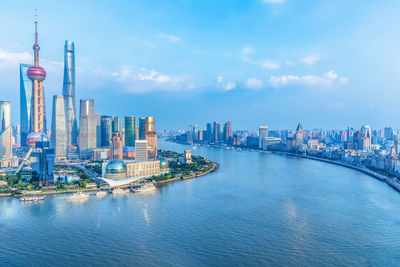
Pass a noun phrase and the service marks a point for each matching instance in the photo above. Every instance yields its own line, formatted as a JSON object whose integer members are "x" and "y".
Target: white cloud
{"x": 273, "y": 1}
{"x": 270, "y": 65}
{"x": 312, "y": 59}
{"x": 11, "y": 60}
{"x": 227, "y": 86}
{"x": 230, "y": 86}
{"x": 247, "y": 50}
{"x": 308, "y": 80}
{"x": 137, "y": 80}
{"x": 254, "y": 83}
{"x": 169, "y": 37}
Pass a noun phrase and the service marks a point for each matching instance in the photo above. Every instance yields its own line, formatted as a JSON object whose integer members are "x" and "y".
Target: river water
{"x": 257, "y": 209}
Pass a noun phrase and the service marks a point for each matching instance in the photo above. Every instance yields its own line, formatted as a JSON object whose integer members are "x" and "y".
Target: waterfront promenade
{"x": 391, "y": 182}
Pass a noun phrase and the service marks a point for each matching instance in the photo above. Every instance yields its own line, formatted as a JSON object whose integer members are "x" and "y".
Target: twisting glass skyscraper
{"x": 69, "y": 94}
{"x": 25, "y": 98}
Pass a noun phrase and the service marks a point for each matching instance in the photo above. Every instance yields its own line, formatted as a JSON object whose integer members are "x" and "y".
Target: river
{"x": 257, "y": 209}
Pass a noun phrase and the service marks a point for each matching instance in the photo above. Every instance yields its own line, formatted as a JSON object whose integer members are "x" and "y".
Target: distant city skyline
{"x": 276, "y": 62}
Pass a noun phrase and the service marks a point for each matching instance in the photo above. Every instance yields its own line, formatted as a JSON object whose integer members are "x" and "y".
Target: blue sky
{"x": 326, "y": 63}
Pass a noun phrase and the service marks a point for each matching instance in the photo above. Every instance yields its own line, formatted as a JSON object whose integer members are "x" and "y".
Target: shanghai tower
{"x": 69, "y": 94}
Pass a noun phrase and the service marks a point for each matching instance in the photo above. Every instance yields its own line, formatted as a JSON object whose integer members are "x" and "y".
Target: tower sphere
{"x": 36, "y": 73}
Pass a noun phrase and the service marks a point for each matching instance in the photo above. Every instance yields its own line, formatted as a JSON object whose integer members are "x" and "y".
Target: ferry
{"x": 119, "y": 191}
{"x": 28, "y": 199}
{"x": 78, "y": 196}
{"x": 145, "y": 188}
{"x": 101, "y": 194}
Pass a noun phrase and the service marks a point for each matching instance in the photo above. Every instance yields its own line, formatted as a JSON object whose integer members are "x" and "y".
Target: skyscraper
{"x": 262, "y": 133}
{"x": 227, "y": 132}
{"x": 87, "y": 128}
{"x": 299, "y": 135}
{"x": 37, "y": 75}
{"x": 216, "y": 131}
{"x": 69, "y": 94}
{"x": 106, "y": 130}
{"x": 151, "y": 138}
{"x": 130, "y": 130}
{"x": 146, "y": 124}
{"x": 209, "y": 133}
{"x": 5, "y": 129}
{"x": 98, "y": 130}
{"x": 25, "y": 98}
{"x": 116, "y": 125}
{"x": 116, "y": 148}
{"x": 58, "y": 128}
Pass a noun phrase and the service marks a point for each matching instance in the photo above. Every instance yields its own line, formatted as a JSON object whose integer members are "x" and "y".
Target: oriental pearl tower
{"x": 38, "y": 113}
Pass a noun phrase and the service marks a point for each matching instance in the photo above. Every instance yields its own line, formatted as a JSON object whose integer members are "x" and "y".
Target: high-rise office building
{"x": 227, "y": 132}
{"x": 216, "y": 132}
{"x": 25, "y": 98}
{"x": 146, "y": 124}
{"x": 5, "y": 129}
{"x": 116, "y": 148}
{"x": 58, "y": 128}
{"x": 141, "y": 150}
{"x": 151, "y": 138}
{"x": 98, "y": 130}
{"x": 195, "y": 133}
{"x": 142, "y": 128}
{"x": 69, "y": 94}
{"x": 189, "y": 135}
{"x": 299, "y": 135}
{"x": 209, "y": 133}
{"x": 262, "y": 133}
{"x": 130, "y": 130}
{"x": 116, "y": 125}
{"x": 87, "y": 128}
{"x": 388, "y": 133}
{"x": 106, "y": 130}
{"x": 37, "y": 75}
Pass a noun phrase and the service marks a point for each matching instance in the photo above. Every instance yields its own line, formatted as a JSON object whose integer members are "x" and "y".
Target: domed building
{"x": 116, "y": 169}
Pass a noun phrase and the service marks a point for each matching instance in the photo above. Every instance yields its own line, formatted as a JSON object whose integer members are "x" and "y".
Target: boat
{"x": 145, "y": 188}
{"x": 101, "y": 194}
{"x": 119, "y": 191}
{"x": 78, "y": 196}
{"x": 29, "y": 199}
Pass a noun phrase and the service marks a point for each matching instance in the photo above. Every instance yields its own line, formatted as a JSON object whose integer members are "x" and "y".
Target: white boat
{"x": 145, "y": 188}
{"x": 101, "y": 194}
{"x": 35, "y": 199}
{"x": 78, "y": 196}
{"x": 119, "y": 191}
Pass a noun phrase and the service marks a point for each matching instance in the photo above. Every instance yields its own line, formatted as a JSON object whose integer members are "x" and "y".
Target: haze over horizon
{"x": 328, "y": 64}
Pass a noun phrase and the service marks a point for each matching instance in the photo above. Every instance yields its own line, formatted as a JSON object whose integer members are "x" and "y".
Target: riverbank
{"x": 391, "y": 182}
{"x": 214, "y": 168}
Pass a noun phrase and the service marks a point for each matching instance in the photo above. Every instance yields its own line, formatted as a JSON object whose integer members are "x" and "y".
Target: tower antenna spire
{"x": 36, "y": 34}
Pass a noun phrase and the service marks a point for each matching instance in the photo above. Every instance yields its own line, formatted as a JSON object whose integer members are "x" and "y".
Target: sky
{"x": 325, "y": 63}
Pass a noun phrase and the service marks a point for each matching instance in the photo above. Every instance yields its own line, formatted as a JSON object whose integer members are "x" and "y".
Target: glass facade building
{"x": 25, "y": 98}
{"x": 130, "y": 130}
{"x": 5, "y": 129}
{"x": 69, "y": 94}
{"x": 105, "y": 130}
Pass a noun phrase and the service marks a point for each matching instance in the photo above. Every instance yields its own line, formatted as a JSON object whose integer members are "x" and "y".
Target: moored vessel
{"x": 119, "y": 191}
{"x": 101, "y": 194}
{"x": 145, "y": 188}
{"x": 30, "y": 199}
{"x": 78, "y": 196}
